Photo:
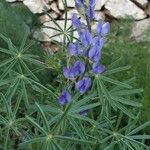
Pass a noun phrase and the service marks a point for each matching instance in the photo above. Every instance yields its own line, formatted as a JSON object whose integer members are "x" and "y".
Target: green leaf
{"x": 43, "y": 87}
{"x": 36, "y": 125}
{"x": 124, "y": 109}
{"x": 116, "y": 82}
{"x": 76, "y": 127}
{"x": 136, "y": 137}
{"x": 126, "y": 92}
{"x": 5, "y": 62}
{"x": 12, "y": 89}
{"x": 8, "y": 69}
{"x": 72, "y": 139}
{"x": 7, "y": 81}
{"x": 86, "y": 107}
{"x": 47, "y": 108}
{"x": 84, "y": 118}
{"x": 84, "y": 100}
{"x": 143, "y": 126}
{"x": 43, "y": 116}
{"x": 127, "y": 102}
{"x": 116, "y": 70}
{"x": 8, "y": 109}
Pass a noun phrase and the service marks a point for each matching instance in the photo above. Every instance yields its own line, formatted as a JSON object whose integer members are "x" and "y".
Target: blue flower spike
{"x": 64, "y": 98}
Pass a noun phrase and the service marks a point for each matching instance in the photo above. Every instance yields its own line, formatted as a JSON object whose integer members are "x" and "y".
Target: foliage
{"x": 31, "y": 117}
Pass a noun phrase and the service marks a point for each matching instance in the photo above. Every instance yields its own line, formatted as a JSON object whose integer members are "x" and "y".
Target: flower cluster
{"x": 87, "y": 49}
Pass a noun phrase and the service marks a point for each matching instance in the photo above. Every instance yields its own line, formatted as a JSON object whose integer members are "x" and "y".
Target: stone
{"x": 48, "y": 34}
{"x": 70, "y": 13}
{"x": 36, "y": 6}
{"x": 55, "y": 8}
{"x": 139, "y": 30}
{"x": 99, "y": 4}
{"x": 142, "y": 1}
{"x": 124, "y": 8}
{"x": 45, "y": 18}
{"x": 10, "y": 0}
{"x": 99, "y": 16}
{"x": 41, "y": 36}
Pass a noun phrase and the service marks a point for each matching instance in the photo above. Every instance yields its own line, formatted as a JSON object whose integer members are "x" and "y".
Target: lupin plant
{"x": 86, "y": 110}
{"x": 86, "y": 50}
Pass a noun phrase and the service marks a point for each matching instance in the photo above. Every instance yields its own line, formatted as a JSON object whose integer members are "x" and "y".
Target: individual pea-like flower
{"x": 64, "y": 98}
{"x": 83, "y": 85}
{"x": 86, "y": 38}
{"x": 78, "y": 68}
{"x": 77, "y": 24}
{"x": 92, "y": 2}
{"x": 99, "y": 42}
{"x": 74, "y": 71}
{"x": 94, "y": 54}
{"x": 74, "y": 48}
{"x": 98, "y": 68}
{"x": 79, "y": 3}
{"x": 90, "y": 10}
{"x": 68, "y": 73}
{"x": 102, "y": 29}
{"x": 76, "y": 21}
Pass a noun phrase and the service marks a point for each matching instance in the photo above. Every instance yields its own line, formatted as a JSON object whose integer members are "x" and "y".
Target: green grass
{"x": 137, "y": 54}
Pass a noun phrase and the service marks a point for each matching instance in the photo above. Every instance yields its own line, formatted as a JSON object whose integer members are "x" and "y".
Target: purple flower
{"x": 78, "y": 68}
{"x": 102, "y": 29}
{"x": 74, "y": 49}
{"x": 105, "y": 28}
{"x": 94, "y": 53}
{"x": 64, "y": 98}
{"x": 83, "y": 85}
{"x": 78, "y": 3}
{"x": 86, "y": 38}
{"x": 68, "y": 73}
{"x": 91, "y": 12}
{"x": 99, "y": 27}
{"x": 98, "y": 69}
{"x": 76, "y": 21}
{"x": 92, "y": 2}
{"x": 99, "y": 42}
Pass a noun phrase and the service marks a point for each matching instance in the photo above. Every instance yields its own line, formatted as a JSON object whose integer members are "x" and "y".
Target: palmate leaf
{"x": 20, "y": 57}
{"x": 11, "y": 123}
{"x": 115, "y": 101}
{"x": 20, "y": 64}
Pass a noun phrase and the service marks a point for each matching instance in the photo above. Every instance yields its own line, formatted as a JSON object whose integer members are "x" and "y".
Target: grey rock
{"x": 141, "y": 30}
